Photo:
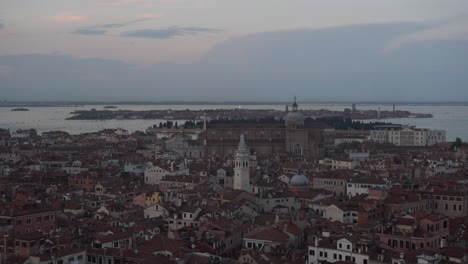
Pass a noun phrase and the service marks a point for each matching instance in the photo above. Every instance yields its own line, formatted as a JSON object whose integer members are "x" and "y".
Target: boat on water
{"x": 19, "y": 109}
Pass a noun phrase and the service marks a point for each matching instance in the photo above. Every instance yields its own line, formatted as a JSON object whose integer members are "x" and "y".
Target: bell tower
{"x": 241, "y": 167}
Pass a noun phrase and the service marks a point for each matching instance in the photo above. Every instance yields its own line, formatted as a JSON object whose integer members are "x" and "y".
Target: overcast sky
{"x": 223, "y": 49}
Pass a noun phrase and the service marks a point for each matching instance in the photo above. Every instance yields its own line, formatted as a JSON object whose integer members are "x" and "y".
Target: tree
{"x": 457, "y": 144}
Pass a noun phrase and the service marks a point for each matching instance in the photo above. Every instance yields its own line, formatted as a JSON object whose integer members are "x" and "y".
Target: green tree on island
{"x": 457, "y": 144}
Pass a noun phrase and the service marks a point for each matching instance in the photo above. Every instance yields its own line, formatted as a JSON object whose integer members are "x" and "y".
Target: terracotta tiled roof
{"x": 269, "y": 234}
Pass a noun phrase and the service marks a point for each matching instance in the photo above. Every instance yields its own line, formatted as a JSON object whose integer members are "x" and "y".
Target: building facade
{"x": 407, "y": 136}
{"x": 299, "y": 137}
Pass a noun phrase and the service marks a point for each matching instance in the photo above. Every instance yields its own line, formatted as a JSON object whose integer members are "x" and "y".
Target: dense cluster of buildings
{"x": 300, "y": 192}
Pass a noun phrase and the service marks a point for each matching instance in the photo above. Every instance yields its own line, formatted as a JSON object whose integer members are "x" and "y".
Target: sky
{"x": 234, "y": 50}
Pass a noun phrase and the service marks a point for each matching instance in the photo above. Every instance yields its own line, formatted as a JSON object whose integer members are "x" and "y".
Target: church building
{"x": 299, "y": 137}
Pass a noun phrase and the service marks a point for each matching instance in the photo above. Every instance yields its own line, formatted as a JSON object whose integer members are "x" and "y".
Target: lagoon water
{"x": 452, "y": 118}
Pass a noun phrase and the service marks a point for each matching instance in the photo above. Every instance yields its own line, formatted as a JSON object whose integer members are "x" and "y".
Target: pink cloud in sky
{"x": 67, "y": 17}
{"x": 6, "y": 72}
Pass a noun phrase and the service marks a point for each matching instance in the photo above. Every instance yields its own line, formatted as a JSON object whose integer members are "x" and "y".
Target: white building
{"x": 154, "y": 173}
{"x": 358, "y": 186}
{"x": 343, "y": 249}
{"x": 407, "y": 136}
{"x": 242, "y": 167}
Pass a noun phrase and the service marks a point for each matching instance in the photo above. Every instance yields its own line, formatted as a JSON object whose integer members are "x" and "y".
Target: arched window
{"x": 297, "y": 150}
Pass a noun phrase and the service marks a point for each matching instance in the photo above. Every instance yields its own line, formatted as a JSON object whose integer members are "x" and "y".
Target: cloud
{"x": 451, "y": 30}
{"x": 120, "y": 25}
{"x": 67, "y": 18}
{"x": 167, "y": 33}
{"x": 90, "y": 32}
{"x": 103, "y": 29}
{"x": 333, "y": 64}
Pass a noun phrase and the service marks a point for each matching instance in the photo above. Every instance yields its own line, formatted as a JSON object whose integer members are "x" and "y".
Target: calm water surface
{"x": 452, "y": 118}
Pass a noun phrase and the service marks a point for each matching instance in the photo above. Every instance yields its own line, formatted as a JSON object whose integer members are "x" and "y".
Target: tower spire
{"x": 294, "y": 106}
{"x": 242, "y": 146}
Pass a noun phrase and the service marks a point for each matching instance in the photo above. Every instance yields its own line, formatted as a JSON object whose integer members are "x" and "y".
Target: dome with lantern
{"x": 295, "y": 117}
{"x": 299, "y": 180}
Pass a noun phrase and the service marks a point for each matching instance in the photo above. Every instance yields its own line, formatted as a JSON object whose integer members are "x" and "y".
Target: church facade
{"x": 300, "y": 137}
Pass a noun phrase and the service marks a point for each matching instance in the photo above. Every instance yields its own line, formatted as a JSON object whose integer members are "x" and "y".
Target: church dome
{"x": 299, "y": 181}
{"x": 295, "y": 117}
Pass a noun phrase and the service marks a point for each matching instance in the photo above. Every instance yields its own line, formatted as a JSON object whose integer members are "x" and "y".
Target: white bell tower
{"x": 241, "y": 167}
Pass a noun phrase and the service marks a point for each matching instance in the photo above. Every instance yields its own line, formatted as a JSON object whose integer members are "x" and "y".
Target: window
{"x": 38, "y": 219}
{"x": 312, "y": 252}
{"x": 297, "y": 150}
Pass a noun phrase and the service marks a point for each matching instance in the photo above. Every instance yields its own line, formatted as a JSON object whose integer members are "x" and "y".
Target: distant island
{"x": 235, "y": 113}
{"x": 110, "y": 107}
{"x": 19, "y": 109}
